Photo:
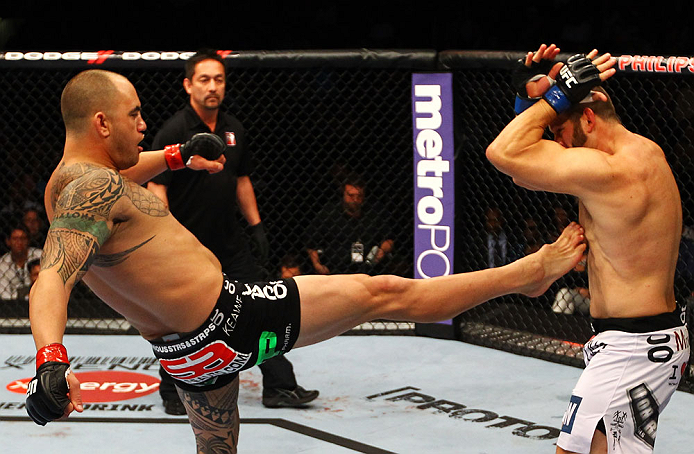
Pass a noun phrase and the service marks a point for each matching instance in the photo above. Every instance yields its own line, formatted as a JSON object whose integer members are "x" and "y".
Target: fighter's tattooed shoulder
{"x": 94, "y": 187}
{"x": 94, "y": 192}
{"x": 145, "y": 201}
{"x": 82, "y": 197}
{"x": 84, "y": 173}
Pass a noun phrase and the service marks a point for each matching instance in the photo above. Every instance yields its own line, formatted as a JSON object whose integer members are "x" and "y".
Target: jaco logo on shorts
{"x": 104, "y": 386}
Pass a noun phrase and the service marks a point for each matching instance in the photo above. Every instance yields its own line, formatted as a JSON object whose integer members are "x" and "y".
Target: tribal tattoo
{"x": 108, "y": 260}
{"x": 73, "y": 251}
{"x": 94, "y": 193}
{"x": 214, "y": 417}
{"x": 145, "y": 201}
{"x": 105, "y": 183}
{"x": 83, "y": 197}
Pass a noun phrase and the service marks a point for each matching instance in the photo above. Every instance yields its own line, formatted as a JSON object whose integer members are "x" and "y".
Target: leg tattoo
{"x": 214, "y": 417}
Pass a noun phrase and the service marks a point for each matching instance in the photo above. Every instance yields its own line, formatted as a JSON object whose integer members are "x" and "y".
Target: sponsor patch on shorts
{"x": 567, "y": 423}
{"x": 205, "y": 363}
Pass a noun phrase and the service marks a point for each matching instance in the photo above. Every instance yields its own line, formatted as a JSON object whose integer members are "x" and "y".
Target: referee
{"x": 206, "y": 205}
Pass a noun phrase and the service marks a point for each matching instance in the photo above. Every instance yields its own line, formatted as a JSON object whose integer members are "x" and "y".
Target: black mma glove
{"x": 47, "y": 391}
{"x": 522, "y": 75}
{"x": 576, "y": 78}
{"x": 260, "y": 240}
{"x": 209, "y": 146}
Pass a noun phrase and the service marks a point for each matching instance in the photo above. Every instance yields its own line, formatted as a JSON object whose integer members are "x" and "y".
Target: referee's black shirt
{"x": 206, "y": 204}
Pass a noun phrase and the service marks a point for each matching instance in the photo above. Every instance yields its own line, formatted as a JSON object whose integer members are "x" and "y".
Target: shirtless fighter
{"x": 630, "y": 208}
{"x": 204, "y": 328}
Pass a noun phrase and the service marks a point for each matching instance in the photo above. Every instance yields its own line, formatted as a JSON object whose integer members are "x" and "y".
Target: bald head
{"x": 90, "y": 91}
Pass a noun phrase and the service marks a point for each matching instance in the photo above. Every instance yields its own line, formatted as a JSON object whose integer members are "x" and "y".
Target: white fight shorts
{"x": 629, "y": 379}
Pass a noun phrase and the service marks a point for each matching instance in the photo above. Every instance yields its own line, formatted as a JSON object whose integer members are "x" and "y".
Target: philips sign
{"x": 432, "y": 114}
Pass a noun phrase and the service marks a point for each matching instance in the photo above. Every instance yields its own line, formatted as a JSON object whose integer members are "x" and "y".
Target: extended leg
{"x": 331, "y": 305}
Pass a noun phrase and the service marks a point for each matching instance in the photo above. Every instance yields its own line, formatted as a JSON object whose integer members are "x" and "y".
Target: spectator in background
{"x": 34, "y": 267}
{"x": 290, "y": 266}
{"x": 14, "y": 272}
{"x": 532, "y": 239}
{"x": 497, "y": 247}
{"x": 33, "y": 222}
{"x": 22, "y": 195}
{"x": 208, "y": 206}
{"x": 349, "y": 237}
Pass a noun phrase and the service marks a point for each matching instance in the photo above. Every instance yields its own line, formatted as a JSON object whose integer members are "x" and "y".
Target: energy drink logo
{"x": 104, "y": 386}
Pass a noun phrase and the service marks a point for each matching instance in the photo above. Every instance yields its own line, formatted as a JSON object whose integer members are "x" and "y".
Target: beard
{"x": 352, "y": 208}
{"x": 127, "y": 162}
{"x": 125, "y": 155}
{"x": 579, "y": 138}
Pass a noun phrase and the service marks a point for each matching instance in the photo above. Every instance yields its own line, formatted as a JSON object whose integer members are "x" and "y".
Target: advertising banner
{"x": 432, "y": 124}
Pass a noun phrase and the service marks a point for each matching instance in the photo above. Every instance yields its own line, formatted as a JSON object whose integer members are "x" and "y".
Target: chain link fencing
{"x": 555, "y": 325}
{"x": 314, "y": 119}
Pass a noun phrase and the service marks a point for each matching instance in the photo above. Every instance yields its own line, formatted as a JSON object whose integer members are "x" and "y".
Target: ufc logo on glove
{"x": 568, "y": 76}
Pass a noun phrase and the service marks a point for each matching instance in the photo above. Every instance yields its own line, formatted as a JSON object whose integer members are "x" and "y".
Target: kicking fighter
{"x": 123, "y": 243}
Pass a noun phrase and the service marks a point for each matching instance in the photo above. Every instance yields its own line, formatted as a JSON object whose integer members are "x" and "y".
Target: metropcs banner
{"x": 432, "y": 117}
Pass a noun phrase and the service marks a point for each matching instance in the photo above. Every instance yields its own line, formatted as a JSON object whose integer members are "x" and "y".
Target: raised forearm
{"x": 203, "y": 151}
{"x": 521, "y": 133}
{"x": 151, "y": 164}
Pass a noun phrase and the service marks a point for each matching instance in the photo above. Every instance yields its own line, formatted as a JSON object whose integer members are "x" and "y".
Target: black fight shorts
{"x": 250, "y": 323}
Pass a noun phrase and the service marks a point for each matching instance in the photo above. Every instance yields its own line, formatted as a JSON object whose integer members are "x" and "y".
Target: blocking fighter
{"x": 124, "y": 244}
{"x": 630, "y": 208}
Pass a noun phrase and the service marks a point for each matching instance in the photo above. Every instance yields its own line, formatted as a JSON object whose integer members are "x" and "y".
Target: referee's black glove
{"x": 260, "y": 241}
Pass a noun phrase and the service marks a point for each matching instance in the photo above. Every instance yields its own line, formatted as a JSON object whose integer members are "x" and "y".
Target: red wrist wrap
{"x": 51, "y": 352}
{"x": 172, "y": 154}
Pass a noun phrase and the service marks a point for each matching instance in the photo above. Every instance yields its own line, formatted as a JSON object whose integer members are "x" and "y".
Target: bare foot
{"x": 554, "y": 260}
